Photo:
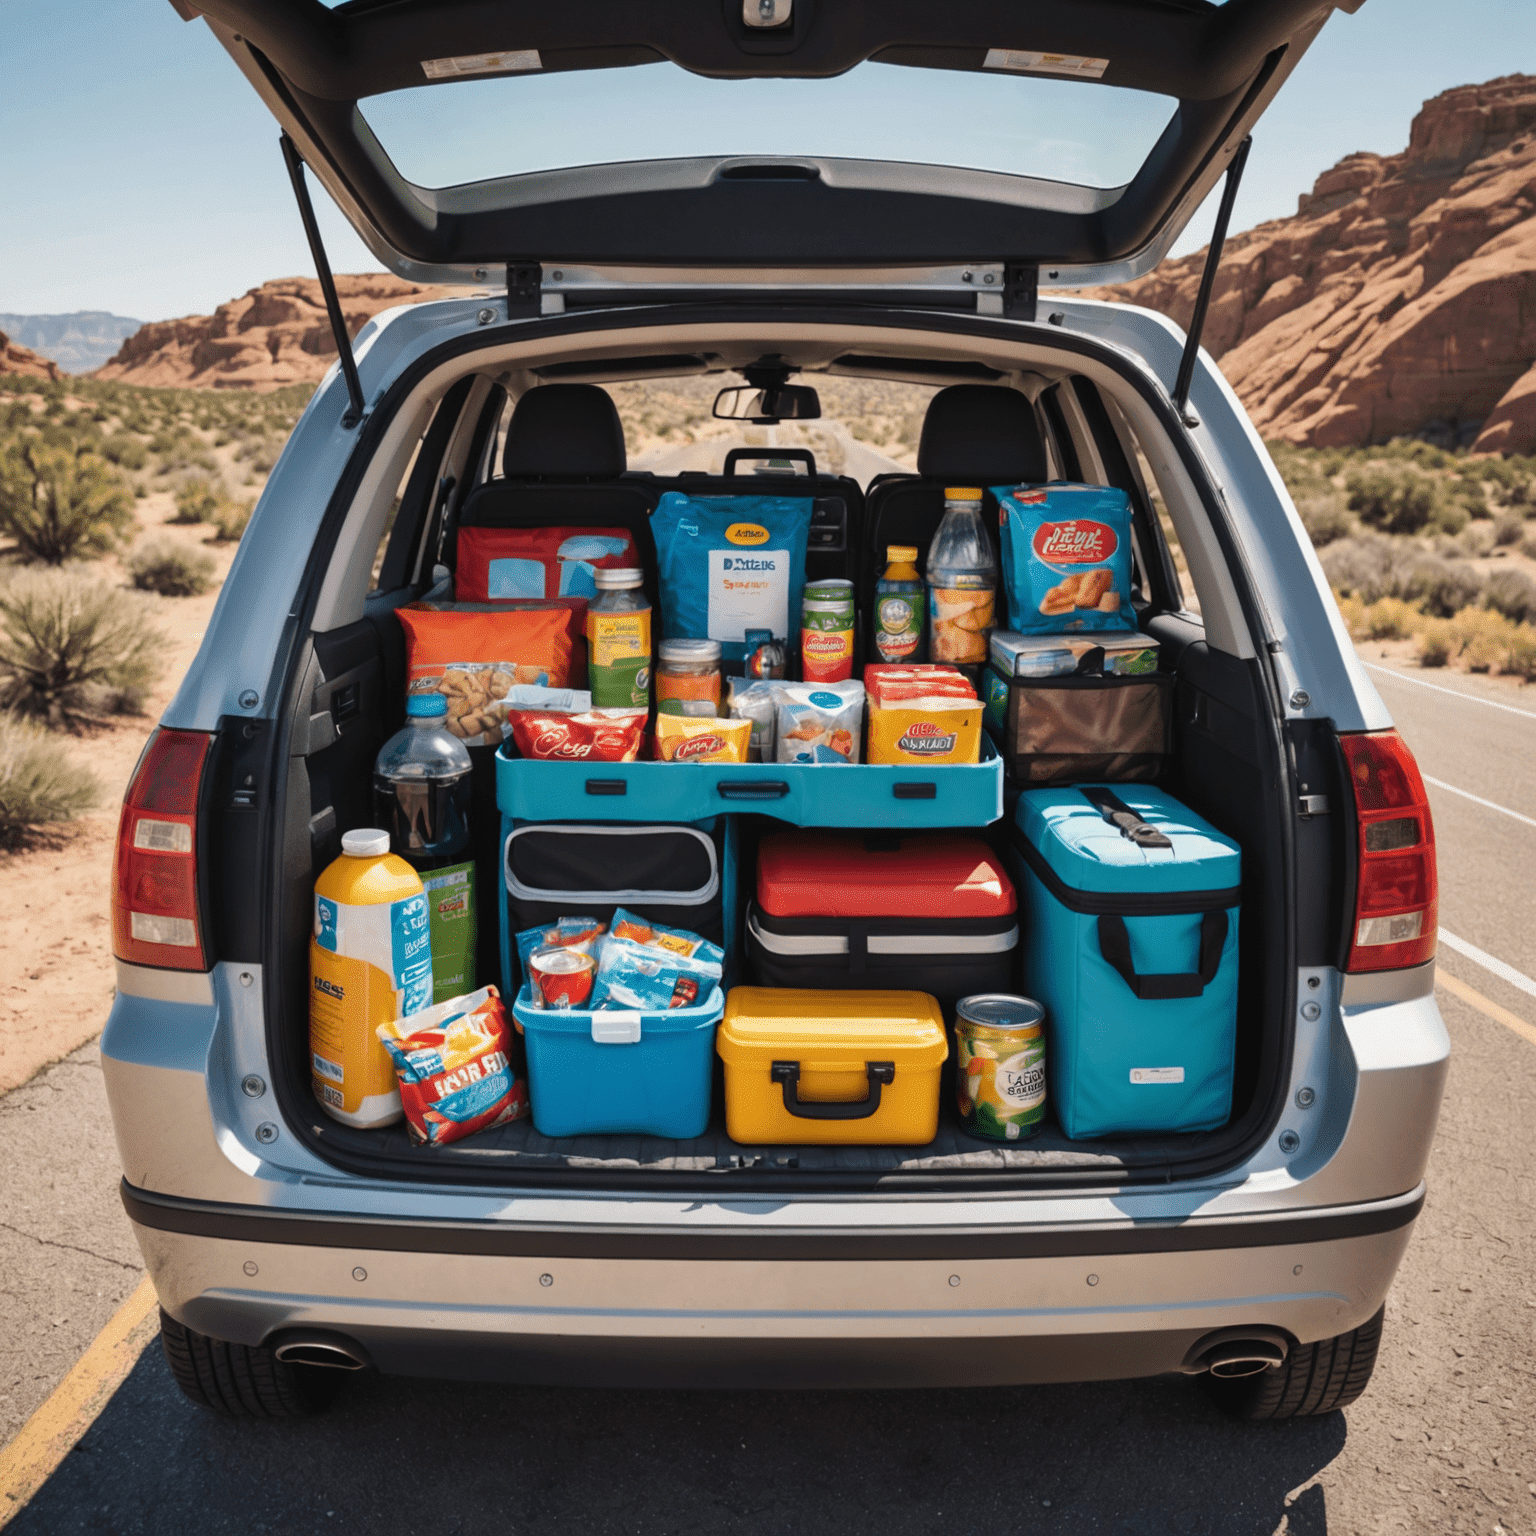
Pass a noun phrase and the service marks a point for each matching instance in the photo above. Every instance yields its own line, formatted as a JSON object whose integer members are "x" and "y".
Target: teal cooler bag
{"x": 1132, "y": 903}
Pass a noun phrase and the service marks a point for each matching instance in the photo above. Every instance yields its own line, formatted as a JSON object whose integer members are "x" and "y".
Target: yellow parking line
{"x": 51, "y": 1433}
{"x": 1471, "y": 996}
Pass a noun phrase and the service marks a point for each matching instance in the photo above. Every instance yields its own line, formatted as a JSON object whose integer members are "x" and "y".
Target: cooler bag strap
{"x": 1118, "y": 814}
{"x": 1115, "y": 945}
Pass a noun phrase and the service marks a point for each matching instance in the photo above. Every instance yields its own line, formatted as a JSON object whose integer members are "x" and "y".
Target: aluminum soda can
{"x": 1000, "y": 1065}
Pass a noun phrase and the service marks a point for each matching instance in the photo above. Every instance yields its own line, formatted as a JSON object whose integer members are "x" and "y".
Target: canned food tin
{"x": 826, "y": 631}
{"x": 561, "y": 977}
{"x": 1000, "y": 1065}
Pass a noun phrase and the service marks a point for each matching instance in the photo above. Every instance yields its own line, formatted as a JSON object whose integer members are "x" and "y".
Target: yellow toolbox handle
{"x": 787, "y": 1073}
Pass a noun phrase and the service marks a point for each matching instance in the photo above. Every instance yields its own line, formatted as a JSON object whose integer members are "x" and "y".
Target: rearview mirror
{"x": 779, "y": 402}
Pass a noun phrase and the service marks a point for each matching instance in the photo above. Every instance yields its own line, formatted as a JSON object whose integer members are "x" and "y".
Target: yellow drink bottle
{"x": 370, "y": 961}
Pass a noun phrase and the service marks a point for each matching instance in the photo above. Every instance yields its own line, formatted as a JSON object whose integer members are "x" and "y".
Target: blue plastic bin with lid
{"x": 610, "y": 1072}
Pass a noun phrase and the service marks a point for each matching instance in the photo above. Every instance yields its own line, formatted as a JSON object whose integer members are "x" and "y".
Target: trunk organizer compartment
{"x": 806, "y": 794}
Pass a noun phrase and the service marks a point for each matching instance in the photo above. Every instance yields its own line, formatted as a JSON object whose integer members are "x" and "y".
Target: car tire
{"x": 1315, "y": 1379}
{"x": 243, "y": 1382}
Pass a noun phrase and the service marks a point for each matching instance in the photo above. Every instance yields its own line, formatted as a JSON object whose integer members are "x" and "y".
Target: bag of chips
{"x": 645, "y": 977}
{"x": 694, "y": 739}
{"x": 500, "y": 563}
{"x": 593, "y": 736}
{"x": 819, "y": 722}
{"x": 679, "y": 941}
{"x": 454, "y": 1063}
{"x": 475, "y": 658}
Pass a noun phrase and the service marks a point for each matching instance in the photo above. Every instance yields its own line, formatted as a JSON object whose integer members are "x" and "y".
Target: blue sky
{"x": 139, "y": 173}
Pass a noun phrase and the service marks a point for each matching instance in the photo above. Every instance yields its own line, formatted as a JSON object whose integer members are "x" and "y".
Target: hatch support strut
{"x": 327, "y": 283}
{"x": 1208, "y": 280}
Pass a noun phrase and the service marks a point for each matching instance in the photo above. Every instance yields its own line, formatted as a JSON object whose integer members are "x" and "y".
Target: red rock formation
{"x": 273, "y": 335}
{"x": 15, "y": 358}
{"x": 1400, "y": 298}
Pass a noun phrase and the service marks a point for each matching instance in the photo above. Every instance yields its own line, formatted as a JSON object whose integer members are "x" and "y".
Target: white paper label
{"x": 1157, "y": 1074}
{"x": 748, "y": 589}
{"x": 482, "y": 64}
{"x": 1075, "y": 65}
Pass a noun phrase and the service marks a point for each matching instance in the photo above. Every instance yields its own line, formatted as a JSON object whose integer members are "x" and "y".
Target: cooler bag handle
{"x": 1118, "y": 814}
{"x": 788, "y": 1073}
{"x": 1115, "y": 945}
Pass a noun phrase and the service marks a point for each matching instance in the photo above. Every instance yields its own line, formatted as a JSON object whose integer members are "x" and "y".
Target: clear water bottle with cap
{"x": 962, "y": 580}
{"x": 421, "y": 786}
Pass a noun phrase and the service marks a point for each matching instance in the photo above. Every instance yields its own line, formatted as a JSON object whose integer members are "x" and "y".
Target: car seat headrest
{"x": 564, "y": 431}
{"x": 983, "y": 434}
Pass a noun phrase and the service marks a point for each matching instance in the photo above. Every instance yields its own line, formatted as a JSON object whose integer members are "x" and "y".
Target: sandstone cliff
{"x": 15, "y": 358}
{"x": 273, "y": 335}
{"x": 1401, "y": 297}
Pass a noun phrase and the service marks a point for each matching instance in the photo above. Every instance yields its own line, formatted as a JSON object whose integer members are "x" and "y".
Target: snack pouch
{"x": 644, "y": 977}
{"x": 454, "y": 1063}
{"x": 819, "y": 722}
{"x": 575, "y": 608}
{"x": 729, "y": 564}
{"x": 694, "y": 739}
{"x": 583, "y": 933}
{"x": 753, "y": 700}
{"x": 916, "y": 731}
{"x": 679, "y": 941}
{"x": 499, "y": 563}
{"x": 1066, "y": 558}
{"x": 592, "y": 736}
{"x": 476, "y": 658}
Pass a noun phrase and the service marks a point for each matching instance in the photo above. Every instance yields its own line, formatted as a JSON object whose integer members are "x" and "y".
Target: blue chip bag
{"x": 729, "y": 564}
{"x": 1066, "y": 558}
{"x": 645, "y": 977}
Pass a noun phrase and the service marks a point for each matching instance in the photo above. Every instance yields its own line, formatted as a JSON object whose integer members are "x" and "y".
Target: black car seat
{"x": 563, "y": 466}
{"x": 973, "y": 434}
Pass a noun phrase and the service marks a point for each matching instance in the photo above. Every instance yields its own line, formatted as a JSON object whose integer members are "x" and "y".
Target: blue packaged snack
{"x": 730, "y": 564}
{"x": 1066, "y": 558}
{"x": 646, "y": 977}
{"x": 679, "y": 941}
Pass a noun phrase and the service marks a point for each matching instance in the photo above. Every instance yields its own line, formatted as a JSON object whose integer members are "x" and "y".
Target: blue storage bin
{"x": 806, "y": 794}
{"x": 619, "y": 1073}
{"x": 1129, "y": 904}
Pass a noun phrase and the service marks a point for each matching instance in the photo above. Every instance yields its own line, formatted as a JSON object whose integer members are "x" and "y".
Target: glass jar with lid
{"x": 688, "y": 678}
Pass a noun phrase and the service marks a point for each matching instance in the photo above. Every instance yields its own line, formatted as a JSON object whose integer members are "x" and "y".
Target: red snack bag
{"x": 597, "y": 736}
{"x": 498, "y": 563}
{"x": 890, "y": 683}
{"x": 454, "y": 1063}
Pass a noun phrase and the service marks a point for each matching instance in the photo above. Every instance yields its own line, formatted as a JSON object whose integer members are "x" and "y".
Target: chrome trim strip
{"x": 162, "y": 986}
{"x": 1371, "y": 989}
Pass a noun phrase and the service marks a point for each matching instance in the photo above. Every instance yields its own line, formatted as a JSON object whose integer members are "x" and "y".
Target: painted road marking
{"x": 1475, "y": 999}
{"x": 1489, "y": 962}
{"x": 1455, "y": 693}
{"x": 1466, "y": 794}
{"x": 53, "y": 1431}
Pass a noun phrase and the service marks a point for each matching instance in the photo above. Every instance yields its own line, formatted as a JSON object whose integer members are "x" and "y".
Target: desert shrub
{"x": 1439, "y": 587}
{"x": 1476, "y": 541}
{"x": 58, "y": 505}
{"x": 1513, "y": 594}
{"x": 1324, "y": 517}
{"x": 1390, "y": 618}
{"x": 196, "y": 501}
{"x": 1451, "y": 516}
{"x": 1482, "y": 637}
{"x": 39, "y": 783}
{"x": 230, "y": 519}
{"x": 1436, "y": 642}
{"x": 1394, "y": 498}
{"x": 1372, "y": 568}
{"x": 171, "y": 568}
{"x": 1352, "y": 610}
{"x": 1519, "y": 656}
{"x": 71, "y": 644}
{"x": 125, "y": 449}
{"x": 1508, "y": 528}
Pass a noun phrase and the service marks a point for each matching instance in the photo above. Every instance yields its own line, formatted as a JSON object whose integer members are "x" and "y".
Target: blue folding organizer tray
{"x": 807, "y": 794}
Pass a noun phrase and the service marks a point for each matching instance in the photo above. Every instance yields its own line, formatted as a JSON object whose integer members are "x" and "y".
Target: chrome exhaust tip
{"x": 1231, "y": 1353}
{"x": 331, "y": 1350}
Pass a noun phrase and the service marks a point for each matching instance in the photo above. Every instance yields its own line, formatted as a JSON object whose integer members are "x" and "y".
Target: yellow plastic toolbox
{"x": 811, "y": 1066}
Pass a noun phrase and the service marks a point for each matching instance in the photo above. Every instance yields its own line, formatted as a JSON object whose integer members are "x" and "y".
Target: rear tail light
{"x": 1396, "y": 895}
{"x": 154, "y": 882}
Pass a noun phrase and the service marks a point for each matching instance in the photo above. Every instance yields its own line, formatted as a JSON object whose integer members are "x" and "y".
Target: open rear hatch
{"x": 1072, "y": 137}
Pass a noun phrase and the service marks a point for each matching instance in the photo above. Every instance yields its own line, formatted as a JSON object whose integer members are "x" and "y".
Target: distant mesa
{"x": 1400, "y": 299}
{"x": 273, "y": 335}
{"x": 78, "y": 343}
{"x": 15, "y": 358}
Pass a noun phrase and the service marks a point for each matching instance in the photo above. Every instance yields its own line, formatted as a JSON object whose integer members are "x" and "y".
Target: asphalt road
{"x": 1444, "y": 1441}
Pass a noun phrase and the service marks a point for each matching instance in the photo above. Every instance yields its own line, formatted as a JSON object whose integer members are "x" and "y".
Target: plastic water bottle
{"x": 962, "y": 581}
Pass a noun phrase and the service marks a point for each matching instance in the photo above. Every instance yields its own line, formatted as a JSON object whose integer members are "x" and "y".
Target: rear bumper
{"x": 553, "y": 1306}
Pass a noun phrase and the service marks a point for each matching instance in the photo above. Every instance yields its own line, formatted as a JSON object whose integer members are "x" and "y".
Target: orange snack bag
{"x": 475, "y": 658}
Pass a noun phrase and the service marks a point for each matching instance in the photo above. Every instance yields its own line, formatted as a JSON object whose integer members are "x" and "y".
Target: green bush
{"x": 230, "y": 519}
{"x": 196, "y": 502}
{"x": 1513, "y": 594}
{"x": 39, "y": 783}
{"x": 1324, "y": 517}
{"x": 126, "y": 449}
{"x": 58, "y": 505}
{"x": 1508, "y": 528}
{"x": 171, "y": 568}
{"x": 71, "y": 644}
{"x": 1394, "y": 498}
{"x": 1372, "y": 568}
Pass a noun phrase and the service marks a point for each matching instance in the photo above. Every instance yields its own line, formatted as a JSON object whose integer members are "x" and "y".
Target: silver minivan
{"x": 759, "y": 190}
